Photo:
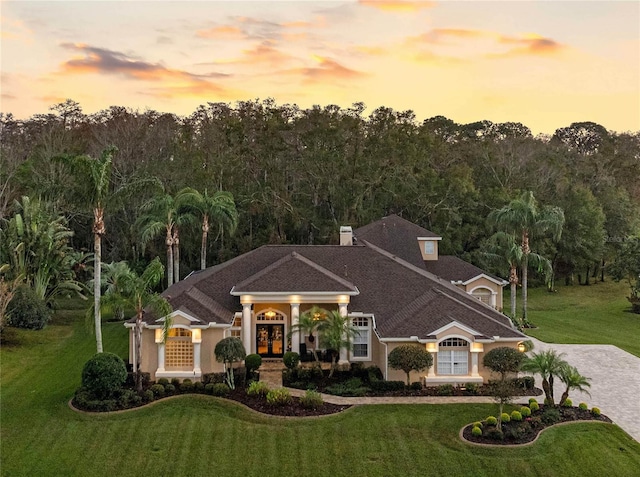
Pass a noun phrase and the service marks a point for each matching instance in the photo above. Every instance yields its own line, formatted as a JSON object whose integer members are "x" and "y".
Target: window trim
{"x": 368, "y": 330}
{"x": 454, "y": 344}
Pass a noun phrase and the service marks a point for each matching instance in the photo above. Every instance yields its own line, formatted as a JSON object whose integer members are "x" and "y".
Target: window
{"x": 483, "y": 294}
{"x": 456, "y": 360}
{"x": 270, "y": 315}
{"x": 179, "y": 349}
{"x": 236, "y": 327}
{"x": 361, "y": 341}
{"x": 429, "y": 247}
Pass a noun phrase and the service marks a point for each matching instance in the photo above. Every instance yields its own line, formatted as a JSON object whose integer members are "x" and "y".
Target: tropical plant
{"x": 336, "y": 333}
{"x": 573, "y": 380}
{"x": 308, "y": 324}
{"x": 136, "y": 292}
{"x": 627, "y": 266}
{"x": 217, "y": 209}
{"x": 547, "y": 364}
{"x": 410, "y": 358}
{"x": 523, "y": 218}
{"x": 228, "y": 351}
{"x": 503, "y": 360}
{"x": 27, "y": 310}
{"x": 8, "y": 290}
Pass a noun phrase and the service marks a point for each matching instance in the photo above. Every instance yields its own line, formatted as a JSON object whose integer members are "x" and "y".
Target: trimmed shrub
{"x": 208, "y": 388}
{"x": 175, "y": 382}
{"x": 471, "y": 388}
{"x": 128, "y": 398}
{"x": 311, "y": 399}
{"x": 567, "y": 403}
{"x": 410, "y": 358}
{"x": 551, "y": 415}
{"x": 595, "y": 411}
{"x": 505, "y": 417}
{"x": 279, "y": 397}
{"x": 495, "y": 434}
{"x": 583, "y": 406}
{"x": 186, "y": 386}
{"x": 534, "y": 406}
{"x": 27, "y": 310}
{"x": 147, "y": 395}
{"x": 220, "y": 389}
{"x": 476, "y": 431}
{"x": 516, "y": 416}
{"x": 157, "y": 390}
{"x": 198, "y": 387}
{"x": 503, "y": 360}
{"x": 445, "y": 390}
{"x": 103, "y": 374}
{"x": 169, "y": 389}
{"x": 525, "y": 411}
{"x": 291, "y": 359}
{"x": 252, "y": 362}
{"x": 533, "y": 400}
{"x": 258, "y": 388}
{"x": 374, "y": 373}
{"x": 163, "y": 381}
{"x": 478, "y": 424}
{"x": 491, "y": 421}
{"x": 416, "y": 386}
{"x": 385, "y": 386}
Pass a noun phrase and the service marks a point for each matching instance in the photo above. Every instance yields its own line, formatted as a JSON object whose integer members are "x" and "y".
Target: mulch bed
{"x": 518, "y": 433}
{"x": 294, "y": 409}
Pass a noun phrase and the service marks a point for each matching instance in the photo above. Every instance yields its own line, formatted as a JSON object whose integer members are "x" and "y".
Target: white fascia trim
{"x": 514, "y": 340}
{"x": 196, "y": 373}
{"x": 297, "y": 293}
{"x": 482, "y": 275}
{"x": 402, "y": 340}
{"x": 429, "y": 238}
{"x": 458, "y": 325}
{"x": 180, "y": 313}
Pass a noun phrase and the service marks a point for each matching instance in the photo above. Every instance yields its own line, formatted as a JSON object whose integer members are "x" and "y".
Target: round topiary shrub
{"x": 175, "y": 382}
{"x": 157, "y": 390}
{"x": 147, "y": 395}
{"x": 186, "y": 386}
{"x": 104, "y": 374}
{"x": 208, "y": 388}
{"x": 291, "y": 359}
{"x": 169, "y": 389}
{"x": 491, "y": 421}
{"x": 534, "y": 406}
{"x": 252, "y": 362}
{"x": 595, "y": 411}
{"x": 27, "y": 310}
{"x": 505, "y": 417}
{"x": 525, "y": 411}
{"x": 516, "y": 416}
{"x": 163, "y": 381}
{"x": 478, "y": 424}
{"x": 533, "y": 400}
{"x": 567, "y": 403}
{"x": 198, "y": 387}
{"x": 583, "y": 406}
{"x": 476, "y": 431}
{"x": 279, "y": 397}
{"x": 220, "y": 389}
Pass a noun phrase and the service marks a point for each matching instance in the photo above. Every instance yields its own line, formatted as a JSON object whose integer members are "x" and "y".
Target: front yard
{"x": 203, "y": 435}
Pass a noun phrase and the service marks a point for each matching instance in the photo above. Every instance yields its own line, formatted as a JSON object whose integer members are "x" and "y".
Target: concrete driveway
{"x": 615, "y": 381}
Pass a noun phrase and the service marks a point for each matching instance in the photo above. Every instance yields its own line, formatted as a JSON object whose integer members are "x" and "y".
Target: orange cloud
{"x": 223, "y": 32}
{"x": 263, "y": 53}
{"x": 531, "y": 45}
{"x": 397, "y": 5}
{"x": 371, "y": 50}
{"x": 328, "y": 70}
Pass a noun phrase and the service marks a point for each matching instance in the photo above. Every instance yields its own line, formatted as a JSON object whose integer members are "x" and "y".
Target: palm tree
{"x": 218, "y": 208}
{"x": 163, "y": 214}
{"x": 503, "y": 247}
{"x": 336, "y": 333}
{"x": 522, "y": 218}
{"x": 547, "y": 364}
{"x": 572, "y": 379}
{"x": 137, "y": 292}
{"x": 308, "y": 324}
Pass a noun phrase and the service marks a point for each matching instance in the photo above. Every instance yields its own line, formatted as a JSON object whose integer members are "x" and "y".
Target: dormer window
{"x": 429, "y": 247}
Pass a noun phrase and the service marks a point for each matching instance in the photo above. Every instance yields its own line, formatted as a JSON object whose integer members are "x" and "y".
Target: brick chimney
{"x": 346, "y": 235}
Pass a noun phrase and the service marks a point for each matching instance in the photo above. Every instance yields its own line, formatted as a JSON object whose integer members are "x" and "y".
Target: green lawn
{"x": 201, "y": 435}
{"x": 595, "y": 314}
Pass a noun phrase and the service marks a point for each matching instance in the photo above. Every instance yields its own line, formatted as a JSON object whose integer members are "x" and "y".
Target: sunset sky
{"x": 544, "y": 63}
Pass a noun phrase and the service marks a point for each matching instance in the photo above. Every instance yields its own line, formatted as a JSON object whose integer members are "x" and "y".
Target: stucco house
{"x": 387, "y": 277}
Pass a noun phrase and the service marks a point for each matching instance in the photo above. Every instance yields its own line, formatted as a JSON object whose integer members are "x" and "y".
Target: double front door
{"x": 270, "y": 340}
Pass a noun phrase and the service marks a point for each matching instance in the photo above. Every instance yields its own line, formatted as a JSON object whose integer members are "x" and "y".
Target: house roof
{"x": 405, "y": 299}
{"x": 455, "y": 269}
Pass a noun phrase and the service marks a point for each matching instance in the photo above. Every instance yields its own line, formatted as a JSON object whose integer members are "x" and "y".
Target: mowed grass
{"x": 202, "y": 435}
{"x": 594, "y": 314}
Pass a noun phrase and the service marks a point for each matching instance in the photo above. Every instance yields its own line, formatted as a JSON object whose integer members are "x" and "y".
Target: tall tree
{"x": 308, "y": 324}
{"x": 217, "y": 209}
{"x": 136, "y": 291}
{"x": 336, "y": 333}
{"x": 523, "y": 218}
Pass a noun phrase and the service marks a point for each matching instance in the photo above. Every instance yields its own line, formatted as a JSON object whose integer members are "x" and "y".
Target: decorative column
{"x": 196, "y": 339}
{"x": 246, "y": 327}
{"x": 160, "y": 344}
{"x": 295, "y": 335}
{"x": 476, "y": 349}
{"x": 494, "y": 296}
{"x": 433, "y": 349}
{"x": 344, "y": 356}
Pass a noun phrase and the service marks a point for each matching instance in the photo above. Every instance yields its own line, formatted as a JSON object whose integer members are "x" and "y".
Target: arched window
{"x": 484, "y": 295}
{"x": 179, "y": 349}
{"x": 270, "y": 315}
{"x": 453, "y": 356}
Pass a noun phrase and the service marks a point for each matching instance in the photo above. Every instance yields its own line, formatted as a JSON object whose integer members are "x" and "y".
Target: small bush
{"x": 516, "y": 416}
{"x": 220, "y": 389}
{"x": 343, "y": 389}
{"x": 533, "y": 400}
{"x": 534, "y": 406}
{"x": 567, "y": 403}
{"x": 311, "y": 399}
{"x": 128, "y": 398}
{"x": 495, "y": 434}
{"x": 374, "y": 373}
{"x": 169, "y": 389}
{"x": 258, "y": 388}
{"x": 386, "y": 386}
{"x": 583, "y": 406}
{"x": 279, "y": 397}
{"x": 471, "y": 388}
{"x": 491, "y": 421}
{"x": 163, "y": 381}
{"x": 147, "y": 395}
{"x": 208, "y": 388}
{"x": 158, "y": 390}
{"x": 27, "y": 310}
{"x": 186, "y": 386}
{"x": 291, "y": 359}
{"x": 550, "y": 416}
{"x": 198, "y": 387}
{"x": 525, "y": 411}
{"x": 416, "y": 386}
{"x": 103, "y": 374}
{"x": 478, "y": 424}
{"x": 476, "y": 431}
{"x": 505, "y": 417}
{"x": 445, "y": 390}
{"x": 175, "y": 382}
{"x": 595, "y": 411}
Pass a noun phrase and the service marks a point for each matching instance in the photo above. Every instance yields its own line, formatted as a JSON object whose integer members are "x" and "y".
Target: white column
{"x": 344, "y": 357}
{"x": 295, "y": 336}
{"x": 494, "y": 296}
{"x": 196, "y": 357}
{"x": 246, "y": 327}
{"x": 432, "y": 369}
{"x": 161, "y": 357}
{"x": 474, "y": 363}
